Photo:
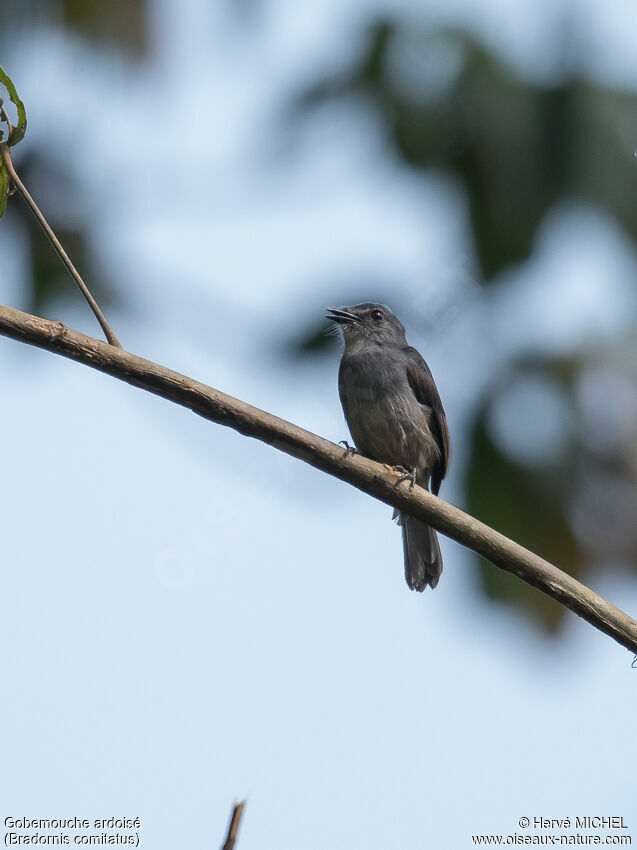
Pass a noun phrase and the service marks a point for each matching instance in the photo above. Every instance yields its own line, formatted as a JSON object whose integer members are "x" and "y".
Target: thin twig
{"x": 5, "y": 153}
{"x": 367, "y": 475}
{"x": 233, "y": 827}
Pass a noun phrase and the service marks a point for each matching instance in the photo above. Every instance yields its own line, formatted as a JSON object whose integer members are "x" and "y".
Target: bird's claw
{"x": 349, "y": 450}
{"x": 405, "y": 475}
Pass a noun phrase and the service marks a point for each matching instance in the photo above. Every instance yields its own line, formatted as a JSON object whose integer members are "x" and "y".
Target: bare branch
{"x": 370, "y": 477}
{"x": 233, "y": 827}
{"x": 5, "y": 153}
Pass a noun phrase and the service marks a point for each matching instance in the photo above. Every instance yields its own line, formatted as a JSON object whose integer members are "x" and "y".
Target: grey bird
{"x": 395, "y": 416}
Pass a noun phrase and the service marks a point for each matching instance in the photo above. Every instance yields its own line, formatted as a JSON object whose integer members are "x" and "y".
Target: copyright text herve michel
{"x": 583, "y": 822}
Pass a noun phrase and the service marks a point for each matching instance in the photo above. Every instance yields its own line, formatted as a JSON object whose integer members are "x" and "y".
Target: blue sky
{"x": 191, "y": 617}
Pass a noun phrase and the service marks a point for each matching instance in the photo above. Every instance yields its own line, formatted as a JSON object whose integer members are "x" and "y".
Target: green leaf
{"x": 4, "y": 189}
{"x": 17, "y": 134}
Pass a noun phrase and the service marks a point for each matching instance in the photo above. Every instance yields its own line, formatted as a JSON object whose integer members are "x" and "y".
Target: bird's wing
{"x": 422, "y": 383}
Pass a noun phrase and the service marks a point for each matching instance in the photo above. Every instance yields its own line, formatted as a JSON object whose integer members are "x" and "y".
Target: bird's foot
{"x": 405, "y": 475}
{"x": 349, "y": 450}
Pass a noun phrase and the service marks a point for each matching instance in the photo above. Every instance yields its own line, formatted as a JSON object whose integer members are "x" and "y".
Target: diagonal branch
{"x": 370, "y": 477}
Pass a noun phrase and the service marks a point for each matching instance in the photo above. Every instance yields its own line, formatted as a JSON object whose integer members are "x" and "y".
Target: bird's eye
{"x": 378, "y": 315}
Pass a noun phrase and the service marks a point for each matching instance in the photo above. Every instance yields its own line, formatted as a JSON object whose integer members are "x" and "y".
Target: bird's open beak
{"x": 342, "y": 317}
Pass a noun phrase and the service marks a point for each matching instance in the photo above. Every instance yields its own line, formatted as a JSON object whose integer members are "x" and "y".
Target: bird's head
{"x": 368, "y": 323}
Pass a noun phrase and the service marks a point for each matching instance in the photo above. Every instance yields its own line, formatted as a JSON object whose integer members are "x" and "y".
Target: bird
{"x": 395, "y": 416}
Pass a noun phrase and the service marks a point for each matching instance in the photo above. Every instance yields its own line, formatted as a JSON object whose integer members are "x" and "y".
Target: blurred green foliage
{"x": 530, "y": 502}
{"x": 444, "y": 102}
{"x": 50, "y": 283}
{"x": 122, "y": 24}
{"x": 109, "y": 24}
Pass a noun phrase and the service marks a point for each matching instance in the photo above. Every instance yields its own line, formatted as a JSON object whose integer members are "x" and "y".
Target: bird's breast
{"x": 384, "y": 416}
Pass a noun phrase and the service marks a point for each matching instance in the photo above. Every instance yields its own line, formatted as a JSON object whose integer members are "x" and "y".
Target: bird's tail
{"x": 423, "y": 561}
